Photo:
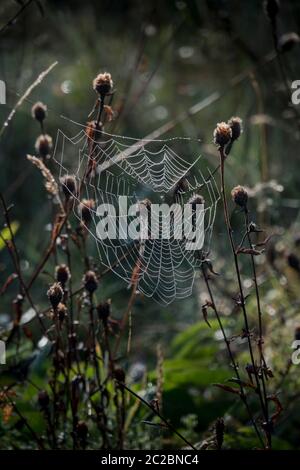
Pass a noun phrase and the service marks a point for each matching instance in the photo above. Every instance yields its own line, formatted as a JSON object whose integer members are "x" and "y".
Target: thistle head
{"x": 55, "y": 294}
{"x": 43, "y": 145}
{"x": 69, "y": 186}
{"x": 39, "y": 111}
{"x": 103, "y": 83}
{"x": 222, "y": 135}
{"x": 62, "y": 274}
{"x": 90, "y": 281}
{"x": 235, "y": 124}
{"x": 240, "y": 196}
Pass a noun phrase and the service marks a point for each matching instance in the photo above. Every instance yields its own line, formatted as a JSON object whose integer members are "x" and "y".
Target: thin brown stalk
{"x": 238, "y": 275}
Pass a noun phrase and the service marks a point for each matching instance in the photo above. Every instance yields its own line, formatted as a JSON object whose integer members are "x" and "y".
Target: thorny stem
{"x": 233, "y": 362}
{"x": 238, "y": 275}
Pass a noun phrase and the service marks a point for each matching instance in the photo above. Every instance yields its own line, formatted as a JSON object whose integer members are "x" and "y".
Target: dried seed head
{"x": 61, "y": 311}
{"x": 85, "y": 210}
{"x": 55, "y": 294}
{"x": 104, "y": 310}
{"x": 93, "y": 130}
{"x": 287, "y": 41}
{"x": 90, "y": 281}
{"x": 195, "y": 200}
{"x": 43, "y": 399}
{"x": 240, "y": 196}
{"x": 103, "y": 83}
{"x": 62, "y": 274}
{"x": 82, "y": 430}
{"x": 69, "y": 186}
{"x": 235, "y": 124}
{"x": 271, "y": 8}
{"x": 43, "y": 145}
{"x": 39, "y": 111}
{"x": 222, "y": 134}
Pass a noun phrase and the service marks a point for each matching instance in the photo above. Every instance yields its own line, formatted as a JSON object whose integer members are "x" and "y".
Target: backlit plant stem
{"x": 234, "y": 364}
{"x": 238, "y": 275}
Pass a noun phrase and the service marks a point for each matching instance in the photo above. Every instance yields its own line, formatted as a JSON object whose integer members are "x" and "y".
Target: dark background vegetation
{"x": 166, "y": 57}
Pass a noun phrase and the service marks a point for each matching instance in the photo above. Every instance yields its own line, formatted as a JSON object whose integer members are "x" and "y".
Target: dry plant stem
{"x": 16, "y": 261}
{"x": 162, "y": 418}
{"x": 124, "y": 320}
{"x": 238, "y": 275}
{"x": 93, "y": 332}
{"x": 16, "y": 16}
{"x": 260, "y": 326}
{"x": 230, "y": 354}
{"x": 49, "y": 250}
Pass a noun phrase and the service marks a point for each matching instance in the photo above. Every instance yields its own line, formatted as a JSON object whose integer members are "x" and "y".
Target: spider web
{"x": 122, "y": 166}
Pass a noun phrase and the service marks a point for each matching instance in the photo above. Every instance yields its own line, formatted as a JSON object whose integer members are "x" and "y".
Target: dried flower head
{"x": 62, "y": 274}
{"x": 104, "y": 310}
{"x": 90, "y": 281}
{"x": 39, "y": 111}
{"x": 103, "y": 83}
{"x": 43, "y": 399}
{"x": 55, "y": 294}
{"x": 222, "y": 134}
{"x": 235, "y": 124}
{"x": 240, "y": 196}
{"x": 85, "y": 209}
{"x": 43, "y": 145}
{"x": 69, "y": 186}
